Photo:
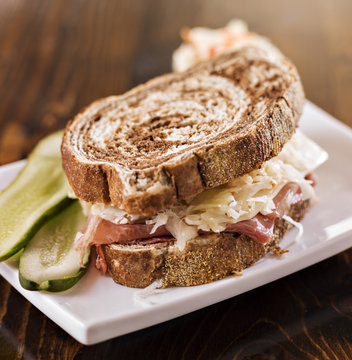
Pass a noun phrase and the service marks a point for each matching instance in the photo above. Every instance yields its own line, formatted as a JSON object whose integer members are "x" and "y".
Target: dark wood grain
{"x": 57, "y": 56}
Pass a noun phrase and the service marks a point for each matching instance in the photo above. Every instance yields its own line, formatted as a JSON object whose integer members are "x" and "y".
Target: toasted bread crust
{"x": 205, "y": 259}
{"x": 138, "y": 171}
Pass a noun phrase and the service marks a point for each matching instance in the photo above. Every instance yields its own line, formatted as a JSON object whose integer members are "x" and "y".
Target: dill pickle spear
{"x": 38, "y": 192}
{"x": 49, "y": 262}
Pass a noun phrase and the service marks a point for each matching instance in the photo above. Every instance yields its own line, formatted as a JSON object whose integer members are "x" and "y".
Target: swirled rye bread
{"x": 179, "y": 134}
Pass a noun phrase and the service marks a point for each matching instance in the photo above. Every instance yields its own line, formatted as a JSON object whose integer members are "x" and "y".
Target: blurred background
{"x": 56, "y": 56}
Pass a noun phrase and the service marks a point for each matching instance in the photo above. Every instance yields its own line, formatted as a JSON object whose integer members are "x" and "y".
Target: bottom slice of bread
{"x": 205, "y": 259}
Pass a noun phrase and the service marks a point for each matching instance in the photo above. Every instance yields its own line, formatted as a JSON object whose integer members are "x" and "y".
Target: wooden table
{"x": 57, "y": 56}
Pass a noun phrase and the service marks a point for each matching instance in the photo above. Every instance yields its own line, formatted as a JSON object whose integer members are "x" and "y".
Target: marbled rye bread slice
{"x": 182, "y": 133}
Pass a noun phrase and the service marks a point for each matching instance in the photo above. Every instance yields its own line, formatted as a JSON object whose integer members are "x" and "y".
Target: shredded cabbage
{"x": 298, "y": 225}
{"x": 144, "y": 296}
{"x": 113, "y": 214}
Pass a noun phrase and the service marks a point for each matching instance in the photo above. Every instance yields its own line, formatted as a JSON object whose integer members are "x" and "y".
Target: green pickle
{"x": 37, "y": 193}
{"x": 29, "y": 208}
{"x": 49, "y": 262}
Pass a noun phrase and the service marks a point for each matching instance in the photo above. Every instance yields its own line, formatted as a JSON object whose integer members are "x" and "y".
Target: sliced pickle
{"x": 38, "y": 193}
{"x": 50, "y": 262}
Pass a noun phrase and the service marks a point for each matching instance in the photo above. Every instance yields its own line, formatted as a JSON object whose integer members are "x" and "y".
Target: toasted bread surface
{"x": 179, "y": 134}
{"x": 205, "y": 259}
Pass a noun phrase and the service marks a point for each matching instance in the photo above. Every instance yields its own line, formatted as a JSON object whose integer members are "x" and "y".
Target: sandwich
{"x": 195, "y": 175}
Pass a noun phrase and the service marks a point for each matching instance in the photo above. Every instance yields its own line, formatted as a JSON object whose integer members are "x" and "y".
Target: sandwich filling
{"x": 246, "y": 205}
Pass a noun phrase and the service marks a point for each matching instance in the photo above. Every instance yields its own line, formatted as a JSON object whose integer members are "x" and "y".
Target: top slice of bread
{"x": 181, "y": 133}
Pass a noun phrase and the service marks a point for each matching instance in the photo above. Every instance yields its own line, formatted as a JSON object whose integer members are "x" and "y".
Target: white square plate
{"x": 97, "y": 309}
